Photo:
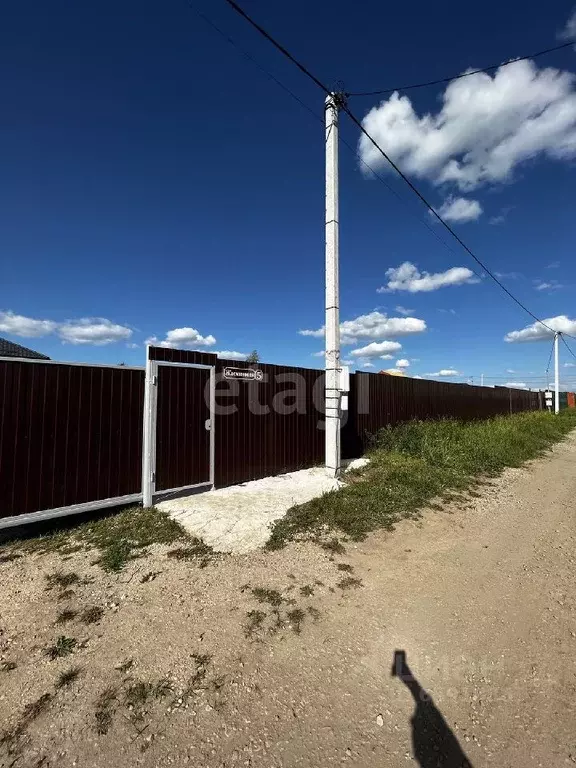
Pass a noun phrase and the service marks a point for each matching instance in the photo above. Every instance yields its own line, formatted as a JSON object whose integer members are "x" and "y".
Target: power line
{"x": 396, "y": 194}
{"x": 257, "y": 64}
{"x": 566, "y": 345}
{"x": 277, "y": 45}
{"x": 440, "y": 219}
{"x": 355, "y": 120}
{"x": 465, "y": 74}
{"x": 348, "y": 146}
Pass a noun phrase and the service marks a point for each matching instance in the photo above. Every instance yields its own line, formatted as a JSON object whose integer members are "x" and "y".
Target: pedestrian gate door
{"x": 178, "y": 428}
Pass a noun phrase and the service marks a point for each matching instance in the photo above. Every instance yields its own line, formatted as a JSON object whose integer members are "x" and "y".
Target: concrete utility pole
{"x": 556, "y": 375}
{"x": 481, "y": 379}
{"x": 332, "y": 386}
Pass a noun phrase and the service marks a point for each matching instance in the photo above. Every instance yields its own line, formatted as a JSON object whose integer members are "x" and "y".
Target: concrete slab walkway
{"x": 238, "y": 518}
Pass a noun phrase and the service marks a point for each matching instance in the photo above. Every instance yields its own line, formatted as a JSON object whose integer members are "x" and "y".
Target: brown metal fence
{"x": 72, "y": 435}
{"x": 377, "y": 401}
{"x": 69, "y": 434}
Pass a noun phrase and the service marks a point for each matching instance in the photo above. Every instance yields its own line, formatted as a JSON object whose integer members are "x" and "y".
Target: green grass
{"x": 412, "y": 464}
{"x": 195, "y": 550}
{"x": 118, "y": 537}
{"x": 62, "y": 647}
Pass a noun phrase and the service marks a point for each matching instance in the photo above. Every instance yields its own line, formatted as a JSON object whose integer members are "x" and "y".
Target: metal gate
{"x": 179, "y": 430}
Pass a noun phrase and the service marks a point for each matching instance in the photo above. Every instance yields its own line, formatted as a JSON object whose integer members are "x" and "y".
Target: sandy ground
{"x": 481, "y": 600}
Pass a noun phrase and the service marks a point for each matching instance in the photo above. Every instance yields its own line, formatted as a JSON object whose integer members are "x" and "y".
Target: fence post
{"x": 149, "y": 431}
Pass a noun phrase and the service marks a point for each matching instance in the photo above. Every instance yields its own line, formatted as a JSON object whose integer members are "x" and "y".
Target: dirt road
{"x": 482, "y": 601}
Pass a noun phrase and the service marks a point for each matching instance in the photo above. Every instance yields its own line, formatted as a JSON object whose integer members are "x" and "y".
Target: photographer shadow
{"x": 434, "y": 744}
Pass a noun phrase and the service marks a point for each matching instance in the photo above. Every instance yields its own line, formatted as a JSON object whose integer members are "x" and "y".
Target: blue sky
{"x": 153, "y": 180}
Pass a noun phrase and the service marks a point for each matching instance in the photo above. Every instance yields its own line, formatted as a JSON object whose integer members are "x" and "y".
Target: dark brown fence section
{"x": 273, "y": 425}
{"x": 182, "y": 441}
{"x": 68, "y": 434}
{"x": 182, "y": 356}
{"x": 377, "y": 401}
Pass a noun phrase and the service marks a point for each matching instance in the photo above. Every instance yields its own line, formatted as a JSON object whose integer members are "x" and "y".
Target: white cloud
{"x": 322, "y": 353}
{"x": 459, "y": 209}
{"x": 374, "y": 325}
{"x": 348, "y": 362}
{"x": 407, "y": 277}
{"x": 510, "y": 370}
{"x": 486, "y": 127}
{"x": 132, "y": 345}
{"x": 386, "y": 357}
{"x": 415, "y": 377}
{"x": 509, "y": 275}
{"x": 403, "y": 363}
{"x": 227, "y": 354}
{"x": 19, "y": 325}
{"x": 516, "y": 384}
{"x": 394, "y": 371}
{"x": 183, "y": 338}
{"x": 569, "y": 365}
{"x": 368, "y": 364}
{"x": 377, "y": 349}
{"x": 86, "y": 330}
{"x": 445, "y": 372}
{"x": 93, "y": 330}
{"x": 403, "y": 310}
{"x": 553, "y": 265}
{"x": 552, "y": 285}
{"x": 448, "y": 311}
{"x": 537, "y": 332}
{"x": 569, "y": 30}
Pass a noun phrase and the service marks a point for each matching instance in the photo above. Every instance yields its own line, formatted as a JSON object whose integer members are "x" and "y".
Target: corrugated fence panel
{"x": 182, "y": 440}
{"x": 267, "y": 427}
{"x": 68, "y": 435}
{"x": 377, "y": 401}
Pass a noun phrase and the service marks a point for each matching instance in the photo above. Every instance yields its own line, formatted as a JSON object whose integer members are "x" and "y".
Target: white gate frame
{"x": 150, "y": 426}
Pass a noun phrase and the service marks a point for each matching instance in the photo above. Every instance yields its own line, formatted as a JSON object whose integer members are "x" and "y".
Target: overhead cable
{"x": 320, "y": 119}
{"x": 566, "y": 344}
{"x": 358, "y": 123}
{"x": 443, "y": 80}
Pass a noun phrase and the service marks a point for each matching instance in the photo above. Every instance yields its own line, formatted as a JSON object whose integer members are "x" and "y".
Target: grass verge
{"x": 413, "y": 463}
{"x": 118, "y": 537}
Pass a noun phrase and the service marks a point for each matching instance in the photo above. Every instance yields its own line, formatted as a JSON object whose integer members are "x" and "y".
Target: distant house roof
{"x": 10, "y": 349}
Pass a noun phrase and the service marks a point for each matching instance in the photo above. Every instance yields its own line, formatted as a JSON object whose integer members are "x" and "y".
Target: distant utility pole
{"x": 332, "y": 387}
{"x": 481, "y": 379}
{"x": 556, "y": 376}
